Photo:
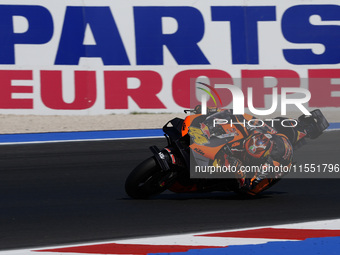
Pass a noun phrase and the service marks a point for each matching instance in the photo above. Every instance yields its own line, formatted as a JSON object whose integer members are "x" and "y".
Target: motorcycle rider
{"x": 211, "y": 140}
{"x": 256, "y": 145}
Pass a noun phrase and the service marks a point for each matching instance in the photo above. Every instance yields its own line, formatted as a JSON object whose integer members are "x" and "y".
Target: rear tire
{"x": 143, "y": 181}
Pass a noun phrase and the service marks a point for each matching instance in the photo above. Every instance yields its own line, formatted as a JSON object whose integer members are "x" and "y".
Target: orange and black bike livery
{"x": 196, "y": 138}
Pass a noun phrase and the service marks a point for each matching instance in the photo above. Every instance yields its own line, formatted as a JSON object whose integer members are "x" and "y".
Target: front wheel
{"x": 144, "y": 180}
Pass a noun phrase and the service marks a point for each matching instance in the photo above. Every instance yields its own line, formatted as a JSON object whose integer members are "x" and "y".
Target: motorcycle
{"x": 168, "y": 168}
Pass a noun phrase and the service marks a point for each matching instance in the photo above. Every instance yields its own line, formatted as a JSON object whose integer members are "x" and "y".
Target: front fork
{"x": 165, "y": 159}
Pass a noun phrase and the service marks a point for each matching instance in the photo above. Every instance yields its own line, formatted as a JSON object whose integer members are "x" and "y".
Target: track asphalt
{"x": 60, "y": 193}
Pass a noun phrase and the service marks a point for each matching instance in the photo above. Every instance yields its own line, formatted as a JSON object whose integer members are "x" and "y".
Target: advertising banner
{"x": 104, "y": 57}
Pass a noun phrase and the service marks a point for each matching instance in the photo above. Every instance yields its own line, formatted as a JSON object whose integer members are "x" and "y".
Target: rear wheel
{"x": 145, "y": 180}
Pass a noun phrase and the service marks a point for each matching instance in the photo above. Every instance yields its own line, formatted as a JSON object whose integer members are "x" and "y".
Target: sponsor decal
{"x": 205, "y": 130}
{"x": 197, "y": 136}
{"x": 199, "y": 151}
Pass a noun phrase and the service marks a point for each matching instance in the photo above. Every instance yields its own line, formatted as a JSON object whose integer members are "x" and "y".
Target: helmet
{"x": 258, "y": 146}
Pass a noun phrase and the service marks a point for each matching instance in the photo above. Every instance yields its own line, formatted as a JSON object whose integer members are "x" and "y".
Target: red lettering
{"x": 7, "y": 89}
{"x": 255, "y": 79}
{"x": 324, "y": 88}
{"x": 85, "y": 90}
{"x": 321, "y": 87}
{"x": 145, "y": 96}
{"x": 185, "y": 81}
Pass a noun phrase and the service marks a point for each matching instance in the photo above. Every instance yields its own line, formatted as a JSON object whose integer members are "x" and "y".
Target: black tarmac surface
{"x": 65, "y": 193}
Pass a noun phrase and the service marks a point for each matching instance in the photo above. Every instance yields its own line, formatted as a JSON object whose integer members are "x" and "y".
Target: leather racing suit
{"x": 258, "y": 154}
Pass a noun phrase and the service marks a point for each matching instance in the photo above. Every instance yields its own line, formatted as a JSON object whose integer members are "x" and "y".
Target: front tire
{"x": 143, "y": 181}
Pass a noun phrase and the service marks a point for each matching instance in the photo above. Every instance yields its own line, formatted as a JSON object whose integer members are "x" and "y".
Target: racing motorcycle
{"x": 169, "y": 167}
